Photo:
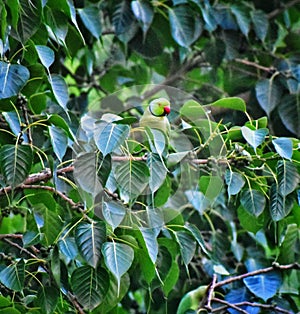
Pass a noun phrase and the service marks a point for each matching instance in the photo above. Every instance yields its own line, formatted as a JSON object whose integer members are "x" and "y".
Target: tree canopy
{"x": 101, "y": 216}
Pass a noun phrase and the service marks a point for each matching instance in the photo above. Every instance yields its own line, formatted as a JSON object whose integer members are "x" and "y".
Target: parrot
{"x": 155, "y": 115}
{"x": 191, "y": 300}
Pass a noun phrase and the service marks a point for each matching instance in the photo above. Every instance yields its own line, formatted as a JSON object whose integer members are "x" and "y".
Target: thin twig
{"x": 51, "y": 189}
{"x": 20, "y": 248}
{"x": 272, "y": 307}
{"x": 253, "y": 64}
{"x": 46, "y": 175}
{"x": 72, "y": 298}
{"x": 282, "y": 9}
{"x": 210, "y": 293}
{"x": 228, "y": 305}
{"x": 11, "y": 235}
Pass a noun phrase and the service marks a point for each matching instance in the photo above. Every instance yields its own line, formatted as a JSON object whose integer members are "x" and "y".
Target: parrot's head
{"x": 159, "y": 107}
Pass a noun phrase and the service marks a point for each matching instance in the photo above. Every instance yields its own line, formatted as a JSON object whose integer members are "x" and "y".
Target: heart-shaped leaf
{"x": 89, "y": 238}
{"x": 284, "y": 147}
{"x": 15, "y": 162}
{"x": 109, "y": 136}
{"x": 264, "y": 286}
{"x": 253, "y": 201}
{"x": 186, "y": 27}
{"x": 268, "y": 94}
{"x": 13, "y": 276}
{"x": 89, "y": 285}
{"x": 118, "y": 258}
{"x": 254, "y": 137}
{"x": 91, "y": 19}
{"x": 12, "y": 77}
{"x": 234, "y": 181}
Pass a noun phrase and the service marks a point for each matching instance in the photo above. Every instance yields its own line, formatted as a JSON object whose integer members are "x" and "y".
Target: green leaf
{"x": 29, "y": 19}
{"x": 234, "y": 103}
{"x": 186, "y": 26}
{"x": 89, "y": 238}
{"x": 289, "y": 112}
{"x": 168, "y": 264}
{"x": 187, "y": 246}
{"x": 150, "y": 239}
{"x": 248, "y": 221}
{"x": 13, "y": 120}
{"x": 242, "y": 18}
{"x": 47, "y": 299}
{"x": 111, "y": 299}
{"x": 91, "y": 19}
{"x": 13, "y": 276}
{"x": 68, "y": 248}
{"x": 36, "y": 197}
{"x": 72, "y": 14}
{"x": 4, "y": 302}
{"x": 132, "y": 178}
{"x": 50, "y": 223}
{"x": 284, "y": 147}
{"x": 253, "y": 201}
{"x": 55, "y": 264}
{"x": 288, "y": 177}
{"x": 268, "y": 94}
{"x": 59, "y": 141}
{"x": 147, "y": 45}
{"x": 193, "y": 111}
{"x": 158, "y": 171}
{"x": 198, "y": 200}
{"x": 60, "y": 122}
{"x": 46, "y": 55}
{"x": 264, "y": 286}
{"x": 280, "y": 205}
{"x": 157, "y": 141}
{"x": 197, "y": 235}
{"x": 113, "y": 213}
{"x": 13, "y": 6}
{"x": 58, "y": 25}
{"x": 90, "y": 285}
{"x": 12, "y": 77}
{"x": 254, "y": 137}
{"x": 59, "y": 89}
{"x": 118, "y": 258}
{"x": 85, "y": 173}
{"x": 123, "y": 21}
{"x": 143, "y": 12}
{"x": 208, "y": 15}
{"x": 234, "y": 181}
{"x": 109, "y": 136}
{"x": 261, "y": 23}
{"x": 288, "y": 244}
{"x": 15, "y": 163}
{"x": 148, "y": 269}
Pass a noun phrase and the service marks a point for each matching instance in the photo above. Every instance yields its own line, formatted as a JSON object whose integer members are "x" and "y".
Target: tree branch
{"x": 283, "y": 8}
{"x": 46, "y": 175}
{"x": 51, "y": 189}
{"x": 257, "y": 272}
{"x": 227, "y": 305}
{"x": 253, "y": 64}
{"x": 20, "y": 248}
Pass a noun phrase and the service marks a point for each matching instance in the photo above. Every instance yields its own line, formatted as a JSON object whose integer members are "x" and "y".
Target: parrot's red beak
{"x": 167, "y": 110}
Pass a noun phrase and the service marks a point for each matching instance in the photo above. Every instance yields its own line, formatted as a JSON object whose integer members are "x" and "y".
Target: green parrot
{"x": 155, "y": 115}
{"x": 191, "y": 300}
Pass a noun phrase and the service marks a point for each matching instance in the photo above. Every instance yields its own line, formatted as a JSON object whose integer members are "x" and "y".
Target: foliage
{"x": 100, "y": 216}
